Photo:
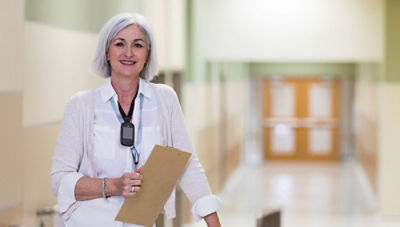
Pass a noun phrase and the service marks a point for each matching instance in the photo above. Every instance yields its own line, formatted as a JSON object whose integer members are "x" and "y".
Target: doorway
{"x": 301, "y": 118}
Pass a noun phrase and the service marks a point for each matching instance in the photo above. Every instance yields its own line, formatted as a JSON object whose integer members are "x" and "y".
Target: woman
{"x": 109, "y": 132}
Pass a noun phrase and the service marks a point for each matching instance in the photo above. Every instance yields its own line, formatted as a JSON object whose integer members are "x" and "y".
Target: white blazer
{"x": 73, "y": 156}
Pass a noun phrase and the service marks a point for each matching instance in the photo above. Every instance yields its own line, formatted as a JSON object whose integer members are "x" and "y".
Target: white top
{"x": 111, "y": 159}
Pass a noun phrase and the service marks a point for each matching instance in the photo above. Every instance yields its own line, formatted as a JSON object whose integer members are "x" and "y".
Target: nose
{"x": 129, "y": 51}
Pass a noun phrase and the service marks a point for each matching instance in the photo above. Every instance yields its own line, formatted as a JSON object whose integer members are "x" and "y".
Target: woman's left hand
{"x": 129, "y": 183}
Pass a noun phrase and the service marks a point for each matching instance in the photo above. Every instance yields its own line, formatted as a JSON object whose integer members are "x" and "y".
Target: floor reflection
{"x": 309, "y": 194}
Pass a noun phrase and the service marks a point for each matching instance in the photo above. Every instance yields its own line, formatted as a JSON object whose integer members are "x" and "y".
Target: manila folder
{"x": 160, "y": 174}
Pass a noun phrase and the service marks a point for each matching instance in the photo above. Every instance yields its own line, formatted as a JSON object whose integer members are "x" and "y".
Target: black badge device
{"x": 127, "y": 134}
{"x": 127, "y": 128}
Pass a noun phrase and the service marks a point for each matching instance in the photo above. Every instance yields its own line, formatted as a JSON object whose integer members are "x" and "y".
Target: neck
{"x": 125, "y": 88}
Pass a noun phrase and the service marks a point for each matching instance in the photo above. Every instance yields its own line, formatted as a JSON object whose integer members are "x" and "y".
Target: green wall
{"x": 392, "y": 41}
{"x": 230, "y": 70}
{"x": 241, "y": 70}
{"x": 302, "y": 69}
{"x": 82, "y": 15}
{"x": 369, "y": 73}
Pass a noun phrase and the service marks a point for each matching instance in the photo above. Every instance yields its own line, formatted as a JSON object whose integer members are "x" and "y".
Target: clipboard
{"x": 160, "y": 174}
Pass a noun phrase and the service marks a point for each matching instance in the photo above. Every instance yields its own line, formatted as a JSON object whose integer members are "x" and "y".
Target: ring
{"x": 133, "y": 189}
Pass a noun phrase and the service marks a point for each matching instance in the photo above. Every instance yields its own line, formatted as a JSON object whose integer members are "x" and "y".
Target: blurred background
{"x": 292, "y": 105}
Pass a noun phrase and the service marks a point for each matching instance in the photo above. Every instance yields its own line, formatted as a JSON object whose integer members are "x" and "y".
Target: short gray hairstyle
{"x": 101, "y": 67}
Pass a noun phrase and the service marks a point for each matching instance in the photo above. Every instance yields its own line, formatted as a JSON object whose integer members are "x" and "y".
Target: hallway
{"x": 218, "y": 55}
{"x": 310, "y": 195}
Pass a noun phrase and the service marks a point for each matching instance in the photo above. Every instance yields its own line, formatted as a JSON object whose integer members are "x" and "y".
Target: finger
{"x": 127, "y": 176}
{"x": 136, "y": 183}
{"x": 135, "y": 188}
{"x": 128, "y": 194}
{"x": 130, "y": 190}
{"x": 136, "y": 176}
{"x": 140, "y": 169}
{"x": 127, "y": 180}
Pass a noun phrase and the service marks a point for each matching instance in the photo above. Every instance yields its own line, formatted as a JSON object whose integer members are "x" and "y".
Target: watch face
{"x": 127, "y": 134}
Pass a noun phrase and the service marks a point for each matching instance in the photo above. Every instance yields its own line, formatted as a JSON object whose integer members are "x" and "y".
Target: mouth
{"x": 127, "y": 62}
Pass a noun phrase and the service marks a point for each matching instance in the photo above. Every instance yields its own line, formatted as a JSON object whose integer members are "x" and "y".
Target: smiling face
{"x": 128, "y": 53}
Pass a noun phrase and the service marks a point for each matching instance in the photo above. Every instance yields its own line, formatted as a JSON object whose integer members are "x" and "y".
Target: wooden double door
{"x": 301, "y": 119}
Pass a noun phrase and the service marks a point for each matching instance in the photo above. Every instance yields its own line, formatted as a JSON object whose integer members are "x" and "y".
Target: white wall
{"x": 57, "y": 65}
{"x": 167, "y": 20}
{"x": 290, "y": 30}
{"x": 57, "y": 60}
{"x": 11, "y": 44}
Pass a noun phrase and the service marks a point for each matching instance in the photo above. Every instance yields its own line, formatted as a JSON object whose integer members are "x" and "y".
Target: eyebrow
{"x": 135, "y": 40}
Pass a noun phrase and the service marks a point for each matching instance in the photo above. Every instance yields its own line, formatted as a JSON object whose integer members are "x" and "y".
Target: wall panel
{"x": 12, "y": 157}
{"x": 11, "y": 44}
{"x": 367, "y": 124}
{"x": 11, "y": 151}
{"x": 38, "y": 152}
{"x": 389, "y": 150}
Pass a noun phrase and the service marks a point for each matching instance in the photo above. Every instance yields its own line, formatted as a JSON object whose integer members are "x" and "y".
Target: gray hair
{"x": 101, "y": 67}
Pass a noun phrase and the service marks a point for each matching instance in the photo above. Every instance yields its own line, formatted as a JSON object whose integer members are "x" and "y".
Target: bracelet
{"x": 103, "y": 188}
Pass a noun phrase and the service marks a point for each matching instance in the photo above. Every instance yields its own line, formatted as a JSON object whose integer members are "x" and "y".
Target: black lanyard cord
{"x": 123, "y": 115}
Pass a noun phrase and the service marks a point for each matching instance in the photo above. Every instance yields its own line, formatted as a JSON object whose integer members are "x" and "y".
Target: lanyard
{"x": 128, "y": 117}
{"x": 135, "y": 148}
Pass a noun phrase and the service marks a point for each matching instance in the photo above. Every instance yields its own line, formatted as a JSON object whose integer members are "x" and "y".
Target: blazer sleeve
{"x": 193, "y": 180}
{"x": 68, "y": 155}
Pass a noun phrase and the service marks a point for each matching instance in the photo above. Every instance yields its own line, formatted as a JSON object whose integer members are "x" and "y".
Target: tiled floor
{"x": 308, "y": 194}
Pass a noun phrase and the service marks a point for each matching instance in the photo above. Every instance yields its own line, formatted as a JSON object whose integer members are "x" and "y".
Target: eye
{"x": 138, "y": 45}
{"x": 119, "y": 44}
